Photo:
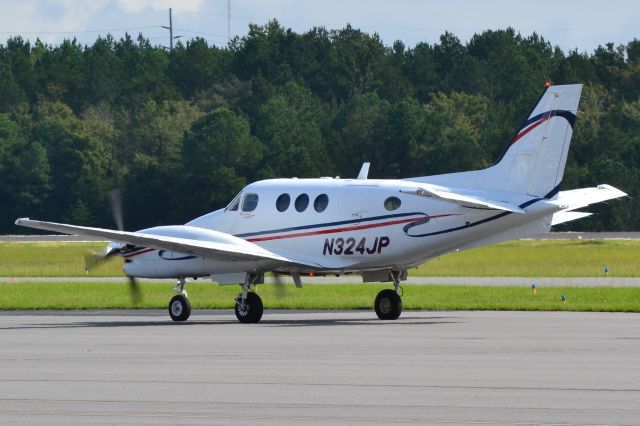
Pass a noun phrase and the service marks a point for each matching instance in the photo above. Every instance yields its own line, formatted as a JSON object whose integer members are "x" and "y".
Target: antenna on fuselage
{"x": 364, "y": 171}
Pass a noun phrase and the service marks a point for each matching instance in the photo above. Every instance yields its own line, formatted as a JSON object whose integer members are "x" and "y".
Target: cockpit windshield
{"x": 233, "y": 205}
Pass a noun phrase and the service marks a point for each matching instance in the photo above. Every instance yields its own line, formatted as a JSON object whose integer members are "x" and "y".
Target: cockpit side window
{"x": 233, "y": 205}
{"x": 250, "y": 202}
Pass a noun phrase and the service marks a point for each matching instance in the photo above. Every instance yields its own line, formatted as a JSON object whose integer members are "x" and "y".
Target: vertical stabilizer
{"x": 535, "y": 159}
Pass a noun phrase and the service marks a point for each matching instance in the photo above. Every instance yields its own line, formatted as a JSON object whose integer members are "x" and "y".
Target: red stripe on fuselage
{"x": 344, "y": 229}
{"x": 147, "y": 250}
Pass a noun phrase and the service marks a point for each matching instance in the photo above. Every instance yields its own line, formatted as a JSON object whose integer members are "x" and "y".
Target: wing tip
{"x": 21, "y": 221}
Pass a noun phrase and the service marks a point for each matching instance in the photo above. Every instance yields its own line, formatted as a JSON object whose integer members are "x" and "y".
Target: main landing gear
{"x": 180, "y": 306}
{"x": 249, "y": 306}
{"x": 388, "y": 304}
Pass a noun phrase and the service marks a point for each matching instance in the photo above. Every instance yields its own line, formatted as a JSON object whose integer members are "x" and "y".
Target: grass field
{"x": 348, "y": 296}
{"x": 52, "y": 260}
{"x": 540, "y": 258}
{"x": 525, "y": 258}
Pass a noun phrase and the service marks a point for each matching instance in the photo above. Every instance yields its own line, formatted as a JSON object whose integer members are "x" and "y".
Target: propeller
{"x": 134, "y": 290}
{"x": 279, "y": 286}
{"x": 93, "y": 259}
{"x": 115, "y": 201}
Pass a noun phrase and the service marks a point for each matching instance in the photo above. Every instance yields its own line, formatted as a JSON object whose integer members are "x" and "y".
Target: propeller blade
{"x": 115, "y": 201}
{"x": 134, "y": 288}
{"x": 93, "y": 259}
{"x": 279, "y": 286}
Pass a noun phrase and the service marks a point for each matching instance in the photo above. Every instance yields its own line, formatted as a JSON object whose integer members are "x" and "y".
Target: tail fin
{"x": 535, "y": 159}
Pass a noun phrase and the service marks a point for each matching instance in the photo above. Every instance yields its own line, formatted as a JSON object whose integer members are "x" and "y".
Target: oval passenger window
{"x": 282, "y": 203}
{"x": 321, "y": 202}
{"x": 302, "y": 202}
{"x": 392, "y": 203}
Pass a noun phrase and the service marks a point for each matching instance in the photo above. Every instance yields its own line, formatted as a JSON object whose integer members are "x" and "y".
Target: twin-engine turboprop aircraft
{"x": 376, "y": 228}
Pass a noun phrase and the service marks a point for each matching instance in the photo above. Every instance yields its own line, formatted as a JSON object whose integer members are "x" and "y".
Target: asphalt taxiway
{"x": 330, "y": 367}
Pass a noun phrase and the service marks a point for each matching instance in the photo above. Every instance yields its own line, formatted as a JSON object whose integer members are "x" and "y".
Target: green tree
{"x": 219, "y": 156}
{"x": 289, "y": 126}
{"x": 24, "y": 173}
{"x": 452, "y": 135}
{"x": 81, "y": 160}
{"x": 151, "y": 161}
{"x": 196, "y": 66}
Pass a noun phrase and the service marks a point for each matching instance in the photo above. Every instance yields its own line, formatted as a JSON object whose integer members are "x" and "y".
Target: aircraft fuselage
{"x": 340, "y": 225}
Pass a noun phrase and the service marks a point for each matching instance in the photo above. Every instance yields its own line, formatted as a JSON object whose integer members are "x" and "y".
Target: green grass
{"x": 525, "y": 258}
{"x": 540, "y": 258}
{"x": 19, "y": 296}
{"x": 35, "y": 259}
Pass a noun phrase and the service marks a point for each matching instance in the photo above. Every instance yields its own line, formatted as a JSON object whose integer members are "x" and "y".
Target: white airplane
{"x": 376, "y": 228}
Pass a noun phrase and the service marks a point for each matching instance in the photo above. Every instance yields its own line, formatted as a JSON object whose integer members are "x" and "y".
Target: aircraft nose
{"x": 130, "y": 267}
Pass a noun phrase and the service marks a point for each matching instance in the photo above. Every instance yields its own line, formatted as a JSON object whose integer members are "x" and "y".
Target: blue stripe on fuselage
{"x": 326, "y": 224}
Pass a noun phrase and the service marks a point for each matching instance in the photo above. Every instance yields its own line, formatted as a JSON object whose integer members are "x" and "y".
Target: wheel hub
{"x": 243, "y": 309}
{"x": 385, "y": 305}
{"x": 176, "y": 308}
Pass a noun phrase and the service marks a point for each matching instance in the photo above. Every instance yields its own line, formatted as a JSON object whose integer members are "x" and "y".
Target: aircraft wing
{"x": 465, "y": 199}
{"x": 227, "y": 247}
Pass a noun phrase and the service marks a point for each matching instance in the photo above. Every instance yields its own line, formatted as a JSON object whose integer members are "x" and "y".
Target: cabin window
{"x": 282, "y": 203}
{"x": 250, "y": 202}
{"x": 392, "y": 203}
{"x": 302, "y": 202}
{"x": 233, "y": 205}
{"x": 321, "y": 202}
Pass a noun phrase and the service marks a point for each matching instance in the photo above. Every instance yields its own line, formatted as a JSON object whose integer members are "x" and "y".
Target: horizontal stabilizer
{"x": 464, "y": 199}
{"x": 578, "y": 198}
{"x": 564, "y": 216}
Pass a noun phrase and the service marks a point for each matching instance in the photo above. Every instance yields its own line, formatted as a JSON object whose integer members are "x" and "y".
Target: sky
{"x": 570, "y": 24}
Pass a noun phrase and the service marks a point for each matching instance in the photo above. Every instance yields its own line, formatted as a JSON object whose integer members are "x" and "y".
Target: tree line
{"x": 182, "y": 131}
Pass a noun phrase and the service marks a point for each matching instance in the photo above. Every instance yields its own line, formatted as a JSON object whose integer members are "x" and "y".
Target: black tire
{"x": 179, "y": 308}
{"x": 388, "y": 305}
{"x": 253, "y": 311}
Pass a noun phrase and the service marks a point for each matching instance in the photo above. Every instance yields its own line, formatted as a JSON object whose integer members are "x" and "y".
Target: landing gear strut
{"x": 180, "y": 306}
{"x": 249, "y": 306}
{"x": 388, "y": 304}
